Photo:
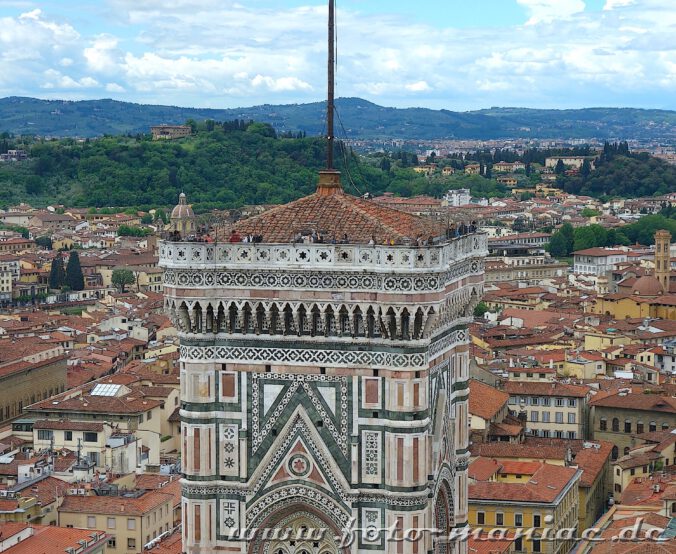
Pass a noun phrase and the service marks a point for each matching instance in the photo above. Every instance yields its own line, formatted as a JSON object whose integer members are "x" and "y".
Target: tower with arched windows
{"x": 324, "y": 378}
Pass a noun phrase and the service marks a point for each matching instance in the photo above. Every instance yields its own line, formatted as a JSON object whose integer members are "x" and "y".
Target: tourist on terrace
{"x": 234, "y": 236}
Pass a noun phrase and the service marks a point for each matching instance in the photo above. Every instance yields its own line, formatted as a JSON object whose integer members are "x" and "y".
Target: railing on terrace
{"x": 206, "y": 255}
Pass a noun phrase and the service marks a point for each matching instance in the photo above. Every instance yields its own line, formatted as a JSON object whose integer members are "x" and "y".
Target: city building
{"x": 25, "y": 538}
{"x": 169, "y": 132}
{"x": 523, "y": 495}
{"x": 597, "y": 261}
{"x": 322, "y": 381}
{"x": 456, "y": 198}
{"x": 621, "y": 416}
{"x": 131, "y": 518}
{"x": 550, "y": 409}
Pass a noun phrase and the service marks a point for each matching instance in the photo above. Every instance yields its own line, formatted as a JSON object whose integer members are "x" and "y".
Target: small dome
{"x": 647, "y": 286}
{"x": 182, "y": 210}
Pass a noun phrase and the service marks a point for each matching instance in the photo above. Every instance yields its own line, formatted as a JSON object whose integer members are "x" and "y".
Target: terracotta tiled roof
{"x": 544, "y": 486}
{"x": 335, "y": 215}
{"x": 485, "y": 401}
{"x": 50, "y": 539}
{"x": 536, "y": 388}
{"x": 46, "y": 490}
{"x": 638, "y": 401}
{"x": 68, "y": 425}
{"x": 115, "y": 504}
{"x": 482, "y": 469}
{"x": 598, "y": 252}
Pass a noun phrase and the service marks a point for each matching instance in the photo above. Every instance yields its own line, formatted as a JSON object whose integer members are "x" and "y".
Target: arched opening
{"x": 274, "y": 320}
{"x": 417, "y": 323}
{"x": 288, "y": 320}
{"x": 247, "y": 319}
{"x": 405, "y": 325}
{"x": 391, "y": 322}
{"x": 316, "y": 317}
{"x": 259, "y": 325}
{"x": 443, "y": 518}
{"x": 370, "y": 323}
{"x": 343, "y": 321}
{"x": 232, "y": 318}
{"x": 298, "y": 529}
{"x": 210, "y": 319}
{"x": 197, "y": 316}
{"x": 357, "y": 322}
{"x": 613, "y": 453}
{"x": 329, "y": 322}
{"x": 220, "y": 319}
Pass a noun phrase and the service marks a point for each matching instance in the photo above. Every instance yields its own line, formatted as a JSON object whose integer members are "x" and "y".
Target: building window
{"x": 545, "y": 417}
{"x": 45, "y": 434}
{"x": 518, "y": 520}
{"x": 111, "y": 523}
{"x": 652, "y": 427}
{"x": 480, "y": 518}
{"x": 616, "y": 425}
{"x": 91, "y": 521}
{"x": 91, "y": 437}
{"x": 150, "y": 415}
{"x": 639, "y": 427}
{"x": 131, "y": 524}
{"x": 627, "y": 426}
{"x": 546, "y": 401}
{"x": 536, "y": 520}
{"x": 499, "y": 518}
{"x": 536, "y": 545}
{"x": 534, "y": 416}
{"x": 665, "y": 426}
{"x": 571, "y": 434}
{"x": 613, "y": 453}
{"x": 131, "y": 543}
{"x": 559, "y": 402}
{"x": 572, "y": 402}
{"x": 111, "y": 542}
{"x": 559, "y": 417}
{"x": 632, "y": 471}
{"x": 571, "y": 417}
{"x": 603, "y": 424}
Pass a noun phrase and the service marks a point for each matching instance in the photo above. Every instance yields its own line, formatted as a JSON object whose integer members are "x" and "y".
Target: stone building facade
{"x": 324, "y": 383}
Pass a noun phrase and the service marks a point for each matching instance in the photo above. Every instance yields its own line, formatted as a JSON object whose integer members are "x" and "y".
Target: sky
{"x": 451, "y": 54}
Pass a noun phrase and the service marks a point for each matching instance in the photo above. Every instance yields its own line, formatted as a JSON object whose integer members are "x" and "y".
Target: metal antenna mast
{"x": 330, "y": 107}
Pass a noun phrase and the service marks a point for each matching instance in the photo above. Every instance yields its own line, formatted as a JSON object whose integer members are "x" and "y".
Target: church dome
{"x": 182, "y": 210}
{"x": 647, "y": 286}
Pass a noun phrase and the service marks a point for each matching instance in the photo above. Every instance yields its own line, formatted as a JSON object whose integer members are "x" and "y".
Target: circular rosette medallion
{"x": 299, "y": 465}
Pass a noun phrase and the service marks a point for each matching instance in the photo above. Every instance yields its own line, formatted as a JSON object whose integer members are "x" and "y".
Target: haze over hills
{"x": 360, "y": 119}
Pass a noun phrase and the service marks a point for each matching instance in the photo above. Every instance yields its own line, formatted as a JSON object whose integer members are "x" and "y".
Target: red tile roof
{"x": 539, "y": 388}
{"x": 485, "y": 401}
{"x": 482, "y": 469}
{"x": 116, "y": 504}
{"x": 544, "y": 486}
{"x": 50, "y": 539}
{"x": 337, "y": 214}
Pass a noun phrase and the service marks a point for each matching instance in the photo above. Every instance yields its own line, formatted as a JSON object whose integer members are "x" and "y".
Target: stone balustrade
{"x": 200, "y": 255}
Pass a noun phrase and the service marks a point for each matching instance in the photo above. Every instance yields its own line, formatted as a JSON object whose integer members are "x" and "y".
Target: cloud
{"x": 102, "y": 55}
{"x": 549, "y": 10}
{"x": 222, "y": 53}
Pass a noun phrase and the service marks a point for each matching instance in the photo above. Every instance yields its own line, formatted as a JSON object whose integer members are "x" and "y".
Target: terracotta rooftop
{"x": 545, "y": 485}
{"x": 116, "y": 504}
{"x": 637, "y": 401}
{"x": 485, "y": 401}
{"x": 337, "y": 214}
{"x": 50, "y": 539}
{"x": 482, "y": 469}
{"x": 537, "y": 388}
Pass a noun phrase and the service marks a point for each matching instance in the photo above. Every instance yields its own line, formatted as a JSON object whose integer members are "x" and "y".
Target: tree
{"x": 123, "y": 277}
{"x": 585, "y": 170}
{"x": 558, "y": 246}
{"x": 560, "y": 169}
{"x": 569, "y": 234}
{"x": 57, "y": 274}
{"x": 45, "y": 242}
{"x": 589, "y": 212}
{"x": 147, "y": 219}
{"x": 481, "y": 309}
{"x": 74, "y": 276}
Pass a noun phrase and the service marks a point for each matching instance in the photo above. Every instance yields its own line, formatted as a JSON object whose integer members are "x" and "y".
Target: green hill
{"x": 361, "y": 119}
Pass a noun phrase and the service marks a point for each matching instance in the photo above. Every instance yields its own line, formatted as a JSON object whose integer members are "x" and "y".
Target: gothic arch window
{"x": 614, "y": 452}
{"x": 616, "y": 425}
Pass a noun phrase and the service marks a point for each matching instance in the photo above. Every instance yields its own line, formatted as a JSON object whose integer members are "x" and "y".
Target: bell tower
{"x": 663, "y": 258}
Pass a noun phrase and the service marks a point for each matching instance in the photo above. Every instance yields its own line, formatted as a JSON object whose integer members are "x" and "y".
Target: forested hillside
{"x": 361, "y": 119}
{"x": 227, "y": 165}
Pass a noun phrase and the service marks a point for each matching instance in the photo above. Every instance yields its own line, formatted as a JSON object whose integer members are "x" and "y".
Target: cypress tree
{"x": 57, "y": 275}
{"x": 74, "y": 276}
